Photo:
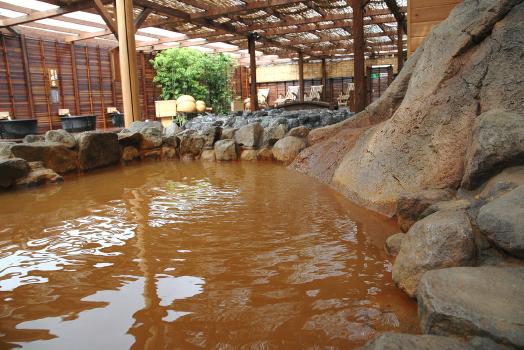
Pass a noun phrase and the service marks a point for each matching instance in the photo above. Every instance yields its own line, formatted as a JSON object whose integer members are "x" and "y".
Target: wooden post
{"x": 43, "y": 66}
{"x": 89, "y": 90}
{"x": 59, "y": 71}
{"x": 113, "y": 87}
{"x": 144, "y": 90}
{"x": 75, "y": 78}
{"x": 324, "y": 79}
{"x": 253, "y": 102}
{"x": 101, "y": 87}
{"x": 301, "y": 76}
{"x": 27, "y": 75}
{"x": 128, "y": 66}
{"x": 8, "y": 78}
{"x": 400, "y": 48}
{"x": 358, "y": 50}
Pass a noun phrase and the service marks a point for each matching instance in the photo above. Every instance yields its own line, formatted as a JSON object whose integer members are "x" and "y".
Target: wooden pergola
{"x": 281, "y": 29}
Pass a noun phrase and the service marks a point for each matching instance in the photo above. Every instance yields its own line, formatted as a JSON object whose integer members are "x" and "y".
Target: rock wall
{"x": 417, "y": 135}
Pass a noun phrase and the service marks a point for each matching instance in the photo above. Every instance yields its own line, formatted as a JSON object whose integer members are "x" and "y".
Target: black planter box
{"x": 117, "y": 119}
{"x": 79, "y": 123}
{"x": 18, "y": 128}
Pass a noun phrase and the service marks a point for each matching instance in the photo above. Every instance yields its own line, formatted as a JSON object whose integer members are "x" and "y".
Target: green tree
{"x": 186, "y": 71}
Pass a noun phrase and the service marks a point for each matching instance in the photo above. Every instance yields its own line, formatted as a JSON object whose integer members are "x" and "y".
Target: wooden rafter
{"x": 397, "y": 12}
{"x": 108, "y": 19}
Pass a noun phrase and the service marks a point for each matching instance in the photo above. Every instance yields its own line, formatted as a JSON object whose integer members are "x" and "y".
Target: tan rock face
{"x": 287, "y": 149}
{"x": 249, "y": 154}
{"x": 53, "y": 155}
{"x": 208, "y": 155}
{"x": 421, "y": 127}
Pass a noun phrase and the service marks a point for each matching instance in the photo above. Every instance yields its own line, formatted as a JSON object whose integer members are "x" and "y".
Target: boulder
{"x": 97, "y": 150}
{"x": 228, "y": 134}
{"x": 250, "y": 136}
{"x": 497, "y": 142}
{"x": 410, "y": 206}
{"x": 139, "y": 126}
{"x": 265, "y": 153}
{"x": 191, "y": 143}
{"x": 273, "y": 133}
{"x": 152, "y": 154}
{"x": 393, "y": 243}
{"x": 456, "y": 204}
{"x": 502, "y": 221}
{"x": 226, "y": 150}
{"x": 288, "y": 148}
{"x": 172, "y": 141}
{"x": 208, "y": 155}
{"x": 171, "y": 130}
{"x": 507, "y": 180}
{"x": 443, "y": 239}
{"x": 169, "y": 152}
{"x": 130, "y": 139}
{"x": 151, "y": 138}
{"x": 211, "y": 135}
{"x": 60, "y": 136}
{"x": 11, "y": 170}
{"x": 54, "y": 156}
{"x": 38, "y": 175}
{"x": 5, "y": 149}
{"x": 130, "y": 153}
{"x": 34, "y": 138}
{"x": 400, "y": 341}
{"x": 249, "y": 154}
{"x": 474, "y": 301}
{"x": 299, "y": 131}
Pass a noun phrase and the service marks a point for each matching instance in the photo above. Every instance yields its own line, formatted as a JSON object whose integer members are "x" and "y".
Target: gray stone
{"x": 98, "y": 149}
{"x": 504, "y": 182}
{"x": 299, "y": 131}
{"x": 126, "y": 139}
{"x": 211, "y": 135}
{"x": 191, "y": 143}
{"x": 208, "y": 155}
{"x": 456, "y": 204}
{"x": 39, "y": 175}
{"x": 139, "y": 126}
{"x": 151, "y": 138}
{"x": 130, "y": 153}
{"x": 443, "y": 239}
{"x": 474, "y": 301}
{"x": 502, "y": 221}
{"x": 273, "y": 133}
{"x": 393, "y": 243}
{"x": 226, "y": 150}
{"x": 411, "y": 205}
{"x": 497, "y": 142}
{"x": 54, "y": 156}
{"x": 172, "y": 141}
{"x": 265, "y": 153}
{"x": 288, "y": 148}
{"x": 169, "y": 152}
{"x": 400, "y": 341}
{"x": 34, "y": 138}
{"x": 61, "y": 136}
{"x": 228, "y": 134}
{"x": 250, "y": 135}
{"x": 5, "y": 149}
{"x": 11, "y": 170}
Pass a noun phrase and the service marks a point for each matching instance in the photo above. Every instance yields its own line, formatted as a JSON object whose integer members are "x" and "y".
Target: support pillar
{"x": 127, "y": 55}
{"x": 301, "y": 76}
{"x": 400, "y": 48}
{"x": 358, "y": 50}
{"x": 324, "y": 79}
{"x": 253, "y": 102}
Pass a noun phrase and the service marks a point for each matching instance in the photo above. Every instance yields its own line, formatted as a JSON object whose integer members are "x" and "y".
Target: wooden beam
{"x": 398, "y": 13}
{"x": 139, "y": 20}
{"x": 75, "y": 78}
{"x": 301, "y": 76}
{"x": 45, "y": 75}
{"x": 101, "y": 87}
{"x": 78, "y": 6}
{"x": 144, "y": 86}
{"x": 324, "y": 78}
{"x": 59, "y": 71}
{"x": 248, "y": 6}
{"x": 8, "y": 78}
{"x": 102, "y": 11}
{"x": 27, "y": 76}
{"x": 358, "y": 50}
{"x": 253, "y": 71}
{"x": 400, "y": 49}
{"x": 88, "y": 72}
{"x": 128, "y": 66}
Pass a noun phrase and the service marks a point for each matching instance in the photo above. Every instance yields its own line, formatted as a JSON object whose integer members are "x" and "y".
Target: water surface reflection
{"x": 190, "y": 255}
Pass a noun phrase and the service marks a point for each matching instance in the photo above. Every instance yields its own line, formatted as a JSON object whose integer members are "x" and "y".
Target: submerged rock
{"x": 288, "y": 148}
{"x": 53, "y": 155}
{"x": 410, "y": 206}
{"x": 97, "y": 150}
{"x": 60, "y": 136}
{"x": 39, "y": 175}
{"x": 226, "y": 150}
{"x": 443, "y": 239}
{"x": 393, "y": 243}
{"x": 400, "y": 341}
{"x": 497, "y": 142}
{"x": 130, "y": 153}
{"x": 11, "y": 170}
{"x": 474, "y": 301}
{"x": 502, "y": 221}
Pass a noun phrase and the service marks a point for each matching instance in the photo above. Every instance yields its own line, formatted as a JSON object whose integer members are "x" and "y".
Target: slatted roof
{"x": 318, "y": 28}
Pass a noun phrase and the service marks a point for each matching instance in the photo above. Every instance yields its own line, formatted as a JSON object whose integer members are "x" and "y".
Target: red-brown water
{"x": 192, "y": 255}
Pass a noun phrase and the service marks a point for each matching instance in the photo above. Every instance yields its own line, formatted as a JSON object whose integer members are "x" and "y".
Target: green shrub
{"x": 185, "y": 71}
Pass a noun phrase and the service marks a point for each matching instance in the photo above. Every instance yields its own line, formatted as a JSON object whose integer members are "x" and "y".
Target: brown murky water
{"x": 191, "y": 255}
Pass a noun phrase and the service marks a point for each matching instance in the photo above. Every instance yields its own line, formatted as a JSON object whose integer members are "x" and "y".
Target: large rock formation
{"x": 97, "y": 149}
{"x": 474, "y": 301}
{"x": 422, "y": 126}
{"x": 11, "y": 170}
{"x": 53, "y": 155}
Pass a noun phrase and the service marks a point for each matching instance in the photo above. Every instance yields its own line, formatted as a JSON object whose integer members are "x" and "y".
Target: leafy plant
{"x": 186, "y": 71}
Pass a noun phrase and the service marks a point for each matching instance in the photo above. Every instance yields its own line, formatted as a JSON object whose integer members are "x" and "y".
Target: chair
{"x": 314, "y": 93}
{"x": 262, "y": 98}
{"x": 4, "y": 115}
{"x": 291, "y": 95}
{"x": 343, "y": 98}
